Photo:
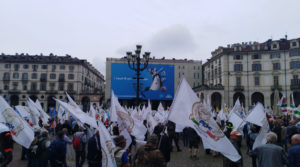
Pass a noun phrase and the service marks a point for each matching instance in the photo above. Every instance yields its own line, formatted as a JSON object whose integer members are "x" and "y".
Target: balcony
{"x": 14, "y": 91}
{"x": 51, "y": 92}
{"x": 276, "y": 87}
{"x": 43, "y": 79}
{"x": 239, "y": 88}
{"x": 33, "y": 92}
{"x": 295, "y": 84}
{"x": 24, "y": 79}
{"x": 71, "y": 91}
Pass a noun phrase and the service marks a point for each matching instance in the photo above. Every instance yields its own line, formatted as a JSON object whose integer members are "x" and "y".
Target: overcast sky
{"x": 96, "y": 29}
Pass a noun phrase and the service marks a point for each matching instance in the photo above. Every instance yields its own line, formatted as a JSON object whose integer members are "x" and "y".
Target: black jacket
{"x": 94, "y": 149}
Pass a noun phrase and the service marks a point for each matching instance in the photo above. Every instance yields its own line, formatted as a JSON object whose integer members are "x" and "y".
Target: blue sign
{"x": 157, "y": 82}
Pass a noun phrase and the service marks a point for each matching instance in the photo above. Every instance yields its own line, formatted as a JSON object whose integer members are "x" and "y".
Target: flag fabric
{"x": 107, "y": 144}
{"x": 20, "y": 129}
{"x": 262, "y": 135}
{"x": 107, "y": 147}
{"x": 35, "y": 114}
{"x": 297, "y": 112}
{"x": 292, "y": 106}
{"x": 24, "y": 112}
{"x": 134, "y": 127}
{"x": 236, "y": 121}
{"x": 3, "y": 128}
{"x": 62, "y": 115}
{"x": 127, "y": 137}
{"x": 283, "y": 105}
{"x": 151, "y": 123}
{"x": 44, "y": 115}
{"x": 77, "y": 113}
{"x": 188, "y": 111}
{"x": 258, "y": 117}
{"x": 36, "y": 108}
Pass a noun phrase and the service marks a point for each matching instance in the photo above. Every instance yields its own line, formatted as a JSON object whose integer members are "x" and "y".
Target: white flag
{"x": 235, "y": 120}
{"x": 20, "y": 130}
{"x": 24, "y": 112}
{"x": 3, "y": 128}
{"x": 44, "y": 115}
{"x": 188, "y": 111}
{"x": 127, "y": 137}
{"x": 134, "y": 127}
{"x": 258, "y": 117}
{"x": 107, "y": 146}
{"x": 34, "y": 112}
{"x": 78, "y": 114}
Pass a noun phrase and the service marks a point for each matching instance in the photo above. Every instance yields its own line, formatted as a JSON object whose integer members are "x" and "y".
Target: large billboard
{"x": 157, "y": 82}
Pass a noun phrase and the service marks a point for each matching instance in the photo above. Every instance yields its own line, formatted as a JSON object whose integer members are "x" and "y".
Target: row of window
{"x": 35, "y": 67}
{"x": 272, "y": 55}
{"x": 43, "y": 86}
{"x": 44, "y": 76}
{"x": 276, "y": 66}
{"x": 257, "y": 80}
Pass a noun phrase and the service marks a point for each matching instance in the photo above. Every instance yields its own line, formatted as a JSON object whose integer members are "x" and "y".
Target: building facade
{"x": 47, "y": 77}
{"x": 190, "y": 69}
{"x": 253, "y": 72}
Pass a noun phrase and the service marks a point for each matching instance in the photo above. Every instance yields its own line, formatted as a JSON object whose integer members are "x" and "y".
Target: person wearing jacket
{"x": 94, "y": 155}
{"x": 6, "y": 148}
{"x": 58, "y": 151}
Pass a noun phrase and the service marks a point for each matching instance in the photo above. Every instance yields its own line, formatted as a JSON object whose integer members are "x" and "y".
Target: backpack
{"x": 76, "y": 142}
{"x": 118, "y": 156}
{"x": 41, "y": 147}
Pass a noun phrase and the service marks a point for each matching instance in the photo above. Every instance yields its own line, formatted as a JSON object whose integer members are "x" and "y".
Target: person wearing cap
{"x": 94, "y": 155}
{"x": 6, "y": 148}
{"x": 228, "y": 129}
{"x": 120, "y": 153}
{"x": 235, "y": 138}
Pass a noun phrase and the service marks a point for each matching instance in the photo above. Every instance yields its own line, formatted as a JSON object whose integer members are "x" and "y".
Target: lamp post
{"x": 138, "y": 64}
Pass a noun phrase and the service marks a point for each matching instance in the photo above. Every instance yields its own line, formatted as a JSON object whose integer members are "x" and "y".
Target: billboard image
{"x": 157, "y": 82}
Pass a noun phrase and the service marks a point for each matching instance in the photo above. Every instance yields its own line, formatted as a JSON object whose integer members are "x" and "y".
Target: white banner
{"x": 20, "y": 130}
{"x": 187, "y": 111}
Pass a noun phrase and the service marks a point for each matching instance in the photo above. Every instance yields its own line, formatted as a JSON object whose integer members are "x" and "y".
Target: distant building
{"x": 47, "y": 77}
{"x": 252, "y": 72}
{"x": 170, "y": 70}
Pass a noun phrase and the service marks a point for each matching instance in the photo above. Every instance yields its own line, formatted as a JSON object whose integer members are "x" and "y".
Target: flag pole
{"x": 176, "y": 94}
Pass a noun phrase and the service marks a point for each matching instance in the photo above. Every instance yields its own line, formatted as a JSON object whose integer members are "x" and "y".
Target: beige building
{"x": 191, "y": 69}
{"x": 47, "y": 77}
{"x": 252, "y": 72}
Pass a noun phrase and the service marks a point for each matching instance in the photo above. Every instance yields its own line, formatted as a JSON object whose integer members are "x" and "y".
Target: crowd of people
{"x": 50, "y": 144}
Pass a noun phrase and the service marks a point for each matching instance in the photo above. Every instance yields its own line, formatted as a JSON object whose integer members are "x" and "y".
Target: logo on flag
{"x": 109, "y": 146}
{"x": 127, "y": 121}
{"x": 14, "y": 123}
{"x": 202, "y": 118}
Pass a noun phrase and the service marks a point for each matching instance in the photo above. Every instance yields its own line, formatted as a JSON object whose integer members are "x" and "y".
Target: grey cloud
{"x": 176, "y": 41}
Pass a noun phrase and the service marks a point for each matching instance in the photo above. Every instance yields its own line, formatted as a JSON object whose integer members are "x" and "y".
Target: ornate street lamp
{"x": 138, "y": 64}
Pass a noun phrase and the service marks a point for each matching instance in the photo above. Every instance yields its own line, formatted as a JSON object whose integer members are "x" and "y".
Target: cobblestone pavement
{"x": 178, "y": 159}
